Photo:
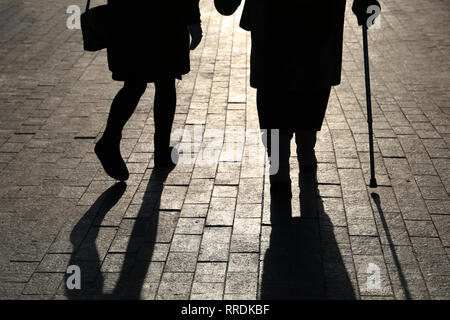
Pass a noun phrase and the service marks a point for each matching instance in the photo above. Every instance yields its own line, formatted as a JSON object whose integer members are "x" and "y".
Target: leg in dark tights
{"x": 108, "y": 147}
{"x": 164, "y": 113}
{"x": 123, "y": 107}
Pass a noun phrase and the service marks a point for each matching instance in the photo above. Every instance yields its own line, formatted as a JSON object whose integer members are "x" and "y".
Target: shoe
{"x": 166, "y": 159}
{"x": 108, "y": 152}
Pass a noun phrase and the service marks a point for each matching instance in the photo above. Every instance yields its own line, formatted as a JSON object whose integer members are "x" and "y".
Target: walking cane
{"x": 373, "y": 180}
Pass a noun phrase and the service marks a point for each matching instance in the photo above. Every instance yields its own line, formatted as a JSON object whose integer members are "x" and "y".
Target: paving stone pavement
{"x": 202, "y": 231}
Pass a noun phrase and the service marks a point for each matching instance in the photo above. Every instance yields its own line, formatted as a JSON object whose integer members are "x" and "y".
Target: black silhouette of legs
{"x": 277, "y": 144}
{"x": 280, "y": 181}
{"x": 108, "y": 147}
{"x": 305, "y": 141}
{"x": 164, "y": 113}
{"x": 301, "y": 113}
{"x": 122, "y": 108}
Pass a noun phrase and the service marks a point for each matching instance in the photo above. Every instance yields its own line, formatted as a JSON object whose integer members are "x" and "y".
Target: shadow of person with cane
{"x": 297, "y": 263}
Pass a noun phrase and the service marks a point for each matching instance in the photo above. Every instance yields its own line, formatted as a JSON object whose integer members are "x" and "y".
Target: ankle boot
{"x": 166, "y": 158}
{"x": 108, "y": 152}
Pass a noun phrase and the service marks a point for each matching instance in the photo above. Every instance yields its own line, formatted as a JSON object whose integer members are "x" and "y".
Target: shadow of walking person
{"x": 293, "y": 267}
{"x": 85, "y": 253}
{"x": 140, "y": 249}
{"x": 143, "y": 236}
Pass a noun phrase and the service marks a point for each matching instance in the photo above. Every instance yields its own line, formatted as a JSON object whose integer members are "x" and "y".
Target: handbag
{"x": 94, "y": 26}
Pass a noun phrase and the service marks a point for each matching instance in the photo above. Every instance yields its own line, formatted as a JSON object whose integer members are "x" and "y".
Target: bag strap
{"x": 88, "y": 5}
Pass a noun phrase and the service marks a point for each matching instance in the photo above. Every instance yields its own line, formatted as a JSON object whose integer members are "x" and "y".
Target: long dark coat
{"x": 149, "y": 39}
{"x": 295, "y": 44}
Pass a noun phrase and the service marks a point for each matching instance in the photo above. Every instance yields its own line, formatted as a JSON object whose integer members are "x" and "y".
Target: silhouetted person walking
{"x": 296, "y": 58}
{"x": 149, "y": 42}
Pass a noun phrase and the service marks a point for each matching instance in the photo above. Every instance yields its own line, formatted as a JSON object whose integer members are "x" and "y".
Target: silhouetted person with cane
{"x": 296, "y": 58}
{"x": 149, "y": 41}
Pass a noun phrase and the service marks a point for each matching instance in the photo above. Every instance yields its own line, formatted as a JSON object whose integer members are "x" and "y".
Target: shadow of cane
{"x": 376, "y": 198}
